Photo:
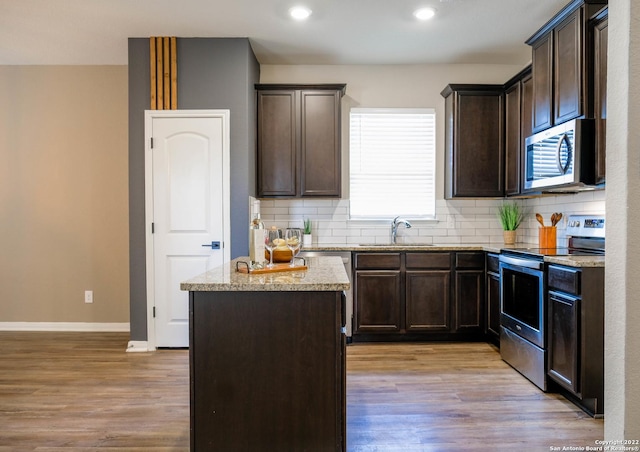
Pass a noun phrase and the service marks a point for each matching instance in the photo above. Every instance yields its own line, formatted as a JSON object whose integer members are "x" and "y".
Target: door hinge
{"x": 153, "y": 228}
{"x": 154, "y": 312}
{"x": 151, "y": 142}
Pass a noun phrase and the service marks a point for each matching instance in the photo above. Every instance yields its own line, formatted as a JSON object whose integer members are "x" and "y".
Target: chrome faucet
{"x": 397, "y": 221}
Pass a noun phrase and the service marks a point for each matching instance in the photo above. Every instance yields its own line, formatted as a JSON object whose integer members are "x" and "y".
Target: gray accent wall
{"x": 213, "y": 73}
{"x": 139, "y": 87}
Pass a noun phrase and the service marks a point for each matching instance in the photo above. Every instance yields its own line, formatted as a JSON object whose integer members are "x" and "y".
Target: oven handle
{"x": 527, "y": 263}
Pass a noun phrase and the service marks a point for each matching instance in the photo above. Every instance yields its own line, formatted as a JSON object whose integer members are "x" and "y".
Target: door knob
{"x": 213, "y": 245}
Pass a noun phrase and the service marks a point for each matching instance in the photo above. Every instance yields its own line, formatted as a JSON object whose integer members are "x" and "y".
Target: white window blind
{"x": 392, "y": 162}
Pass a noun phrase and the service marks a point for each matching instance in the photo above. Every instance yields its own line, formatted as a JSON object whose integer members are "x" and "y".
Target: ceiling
{"x": 79, "y": 32}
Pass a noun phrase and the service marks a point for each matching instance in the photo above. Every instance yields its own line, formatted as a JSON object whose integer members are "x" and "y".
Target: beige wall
{"x": 63, "y": 194}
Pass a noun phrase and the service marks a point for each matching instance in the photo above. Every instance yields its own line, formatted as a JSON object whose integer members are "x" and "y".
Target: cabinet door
{"x": 601, "y": 40}
{"x": 469, "y": 300}
{"x": 474, "y": 122}
{"x": 277, "y": 143}
{"x": 526, "y": 124}
{"x": 526, "y": 117}
{"x": 512, "y": 140}
{"x": 493, "y": 305}
{"x": 377, "y": 301}
{"x": 320, "y": 156}
{"x": 564, "y": 327}
{"x": 568, "y": 73}
{"x": 427, "y": 300}
{"x": 542, "y": 65}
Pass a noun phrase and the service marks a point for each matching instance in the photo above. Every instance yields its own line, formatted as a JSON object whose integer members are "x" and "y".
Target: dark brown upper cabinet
{"x": 517, "y": 127}
{"x": 526, "y": 122}
{"x": 600, "y": 42}
{"x": 299, "y": 140}
{"x": 560, "y": 65}
{"x": 474, "y": 137}
{"x": 542, "y": 82}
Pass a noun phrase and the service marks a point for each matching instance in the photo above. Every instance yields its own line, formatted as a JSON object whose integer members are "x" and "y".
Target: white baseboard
{"x": 65, "y": 326}
{"x": 138, "y": 346}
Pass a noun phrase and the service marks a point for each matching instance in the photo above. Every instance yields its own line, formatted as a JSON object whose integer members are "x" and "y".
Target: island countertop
{"x": 324, "y": 273}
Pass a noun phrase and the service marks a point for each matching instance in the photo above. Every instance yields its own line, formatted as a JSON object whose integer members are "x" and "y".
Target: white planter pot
{"x": 307, "y": 239}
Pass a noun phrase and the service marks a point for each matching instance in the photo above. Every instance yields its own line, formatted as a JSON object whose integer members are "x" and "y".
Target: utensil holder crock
{"x": 547, "y": 237}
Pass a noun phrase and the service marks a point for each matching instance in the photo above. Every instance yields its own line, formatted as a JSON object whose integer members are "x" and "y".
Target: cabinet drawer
{"x": 378, "y": 260}
{"x": 470, "y": 260}
{"x": 428, "y": 260}
{"x": 493, "y": 263}
{"x": 564, "y": 279}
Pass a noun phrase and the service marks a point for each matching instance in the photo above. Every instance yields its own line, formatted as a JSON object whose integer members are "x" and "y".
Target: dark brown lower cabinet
{"x": 418, "y": 295}
{"x": 493, "y": 298}
{"x": 377, "y": 293}
{"x": 469, "y": 300}
{"x": 378, "y": 301}
{"x": 428, "y": 292}
{"x": 469, "y": 292}
{"x": 267, "y": 371}
{"x": 575, "y": 321}
{"x": 563, "y": 350}
{"x": 428, "y": 300}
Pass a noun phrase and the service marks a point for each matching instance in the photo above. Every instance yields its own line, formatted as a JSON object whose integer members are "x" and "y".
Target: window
{"x": 392, "y": 163}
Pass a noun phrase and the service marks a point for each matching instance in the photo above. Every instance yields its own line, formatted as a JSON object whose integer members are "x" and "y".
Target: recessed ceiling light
{"x": 424, "y": 13}
{"x": 300, "y": 12}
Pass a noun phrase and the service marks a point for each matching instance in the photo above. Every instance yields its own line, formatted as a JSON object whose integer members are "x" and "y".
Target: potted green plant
{"x": 307, "y": 237}
{"x": 511, "y": 216}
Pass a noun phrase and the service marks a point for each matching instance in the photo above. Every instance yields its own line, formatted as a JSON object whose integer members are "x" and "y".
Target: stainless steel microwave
{"x": 561, "y": 158}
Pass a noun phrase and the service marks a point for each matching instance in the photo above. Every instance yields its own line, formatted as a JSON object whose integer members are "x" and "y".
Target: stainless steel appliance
{"x": 523, "y": 288}
{"x": 522, "y": 316}
{"x": 346, "y": 260}
{"x": 561, "y": 158}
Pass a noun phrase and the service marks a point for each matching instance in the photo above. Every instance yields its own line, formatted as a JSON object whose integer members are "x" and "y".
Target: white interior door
{"x": 189, "y": 218}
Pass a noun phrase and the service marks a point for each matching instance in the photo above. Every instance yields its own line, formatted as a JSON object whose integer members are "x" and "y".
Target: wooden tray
{"x": 243, "y": 267}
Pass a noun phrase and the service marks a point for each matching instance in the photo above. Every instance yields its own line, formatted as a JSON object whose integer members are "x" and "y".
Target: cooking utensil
{"x": 540, "y": 219}
{"x": 557, "y": 218}
{"x": 553, "y": 219}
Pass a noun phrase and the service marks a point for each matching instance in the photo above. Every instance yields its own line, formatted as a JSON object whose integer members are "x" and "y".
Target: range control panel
{"x": 586, "y": 226}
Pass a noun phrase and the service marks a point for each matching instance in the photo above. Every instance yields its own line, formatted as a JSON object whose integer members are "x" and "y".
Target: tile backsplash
{"x": 469, "y": 221}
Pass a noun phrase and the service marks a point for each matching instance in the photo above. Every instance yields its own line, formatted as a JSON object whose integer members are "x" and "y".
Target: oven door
{"x": 522, "y": 298}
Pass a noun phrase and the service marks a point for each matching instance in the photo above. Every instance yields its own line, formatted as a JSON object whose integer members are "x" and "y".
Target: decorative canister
{"x": 509, "y": 237}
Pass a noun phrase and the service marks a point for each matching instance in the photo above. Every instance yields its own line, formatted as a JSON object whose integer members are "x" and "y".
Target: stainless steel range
{"x": 523, "y": 290}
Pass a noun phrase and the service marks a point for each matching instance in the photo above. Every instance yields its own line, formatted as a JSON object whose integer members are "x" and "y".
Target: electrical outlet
{"x": 451, "y": 222}
{"x": 88, "y": 296}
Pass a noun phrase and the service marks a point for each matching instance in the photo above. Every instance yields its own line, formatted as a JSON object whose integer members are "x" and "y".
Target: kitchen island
{"x": 267, "y": 358}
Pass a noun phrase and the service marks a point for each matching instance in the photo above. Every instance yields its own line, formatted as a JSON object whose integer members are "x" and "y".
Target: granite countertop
{"x": 571, "y": 261}
{"x": 323, "y": 274}
{"x": 576, "y": 261}
{"x": 404, "y": 247}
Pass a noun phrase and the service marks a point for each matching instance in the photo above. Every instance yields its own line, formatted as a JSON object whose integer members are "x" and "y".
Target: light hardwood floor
{"x": 82, "y": 392}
